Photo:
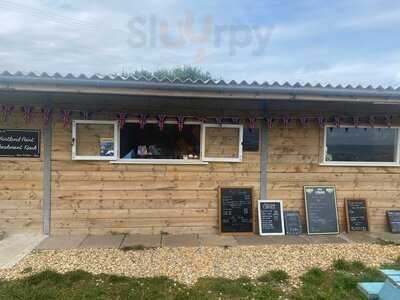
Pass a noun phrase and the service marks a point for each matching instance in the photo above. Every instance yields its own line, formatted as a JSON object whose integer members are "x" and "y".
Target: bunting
{"x": 321, "y": 121}
{"x": 142, "y": 121}
{"x": 180, "y": 122}
{"x": 6, "y": 111}
{"x": 86, "y": 115}
{"x": 66, "y": 116}
{"x": 252, "y": 123}
{"x": 122, "y": 119}
{"x": 285, "y": 121}
{"x": 303, "y": 121}
{"x": 46, "y": 114}
{"x": 269, "y": 121}
{"x": 161, "y": 121}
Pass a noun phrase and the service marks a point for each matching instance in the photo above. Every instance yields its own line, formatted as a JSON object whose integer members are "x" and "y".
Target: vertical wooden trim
{"x": 47, "y": 144}
{"x": 263, "y": 161}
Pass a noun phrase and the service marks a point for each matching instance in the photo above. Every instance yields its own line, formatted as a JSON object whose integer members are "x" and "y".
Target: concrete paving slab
{"x": 15, "y": 247}
{"x": 358, "y": 237}
{"x": 59, "y": 242}
{"x": 270, "y": 240}
{"x": 386, "y": 237}
{"x": 102, "y": 241}
{"x": 213, "y": 240}
{"x": 325, "y": 239}
{"x": 145, "y": 240}
{"x": 181, "y": 240}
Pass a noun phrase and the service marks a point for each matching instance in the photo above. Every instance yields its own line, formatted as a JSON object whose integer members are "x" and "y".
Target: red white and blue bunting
{"x": 270, "y": 121}
{"x": 6, "y": 111}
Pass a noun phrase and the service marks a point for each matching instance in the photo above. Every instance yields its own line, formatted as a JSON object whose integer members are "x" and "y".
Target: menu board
{"x": 19, "y": 143}
{"x": 270, "y": 217}
{"x": 393, "y": 217}
{"x": 356, "y": 215}
{"x": 321, "y": 210}
{"x": 236, "y": 210}
{"x": 293, "y": 223}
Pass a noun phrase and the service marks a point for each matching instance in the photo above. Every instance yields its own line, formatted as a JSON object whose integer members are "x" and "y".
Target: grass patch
{"x": 394, "y": 265}
{"x": 339, "y": 282}
{"x": 275, "y": 277}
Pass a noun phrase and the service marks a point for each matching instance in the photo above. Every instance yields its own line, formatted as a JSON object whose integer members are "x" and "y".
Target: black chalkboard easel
{"x": 356, "y": 214}
{"x": 270, "y": 217}
{"x": 321, "y": 210}
{"x": 293, "y": 223}
{"x": 393, "y": 217}
{"x": 236, "y": 210}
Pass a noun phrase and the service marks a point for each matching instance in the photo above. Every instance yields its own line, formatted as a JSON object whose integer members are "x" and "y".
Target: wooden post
{"x": 263, "y": 160}
{"x": 47, "y": 144}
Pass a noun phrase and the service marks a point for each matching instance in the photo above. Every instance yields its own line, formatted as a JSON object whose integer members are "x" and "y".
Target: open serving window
{"x": 94, "y": 140}
{"x": 191, "y": 144}
{"x": 153, "y": 144}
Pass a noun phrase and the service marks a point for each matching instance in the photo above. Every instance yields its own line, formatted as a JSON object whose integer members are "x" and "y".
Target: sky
{"x": 337, "y": 42}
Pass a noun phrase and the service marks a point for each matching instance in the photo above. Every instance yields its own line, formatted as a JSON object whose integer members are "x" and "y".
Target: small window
{"x": 222, "y": 143}
{"x": 361, "y": 145}
{"x": 94, "y": 140}
{"x": 152, "y": 143}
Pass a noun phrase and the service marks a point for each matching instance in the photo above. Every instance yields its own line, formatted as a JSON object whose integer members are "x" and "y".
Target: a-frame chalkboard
{"x": 236, "y": 210}
{"x": 356, "y": 214}
{"x": 321, "y": 210}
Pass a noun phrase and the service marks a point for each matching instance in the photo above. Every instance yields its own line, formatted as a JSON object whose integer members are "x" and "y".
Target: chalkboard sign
{"x": 293, "y": 223}
{"x": 236, "y": 210}
{"x": 356, "y": 215}
{"x": 19, "y": 143}
{"x": 251, "y": 139}
{"x": 270, "y": 217}
{"x": 393, "y": 217}
{"x": 321, "y": 210}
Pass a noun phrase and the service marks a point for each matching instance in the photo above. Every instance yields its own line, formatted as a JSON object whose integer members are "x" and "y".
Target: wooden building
{"x": 148, "y": 156}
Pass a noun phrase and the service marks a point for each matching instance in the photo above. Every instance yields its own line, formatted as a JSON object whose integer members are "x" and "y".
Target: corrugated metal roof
{"x": 232, "y": 83}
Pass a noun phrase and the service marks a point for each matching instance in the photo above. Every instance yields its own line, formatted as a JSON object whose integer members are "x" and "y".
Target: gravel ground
{"x": 188, "y": 264}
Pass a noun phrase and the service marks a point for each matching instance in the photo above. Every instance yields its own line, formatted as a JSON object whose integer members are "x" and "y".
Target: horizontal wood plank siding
{"x": 293, "y": 161}
{"x": 98, "y": 197}
{"x": 21, "y": 181}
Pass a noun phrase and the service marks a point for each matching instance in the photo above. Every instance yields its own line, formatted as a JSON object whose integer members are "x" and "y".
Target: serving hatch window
{"x": 151, "y": 142}
{"x": 94, "y": 140}
{"x": 194, "y": 142}
{"x": 361, "y": 145}
{"x": 222, "y": 143}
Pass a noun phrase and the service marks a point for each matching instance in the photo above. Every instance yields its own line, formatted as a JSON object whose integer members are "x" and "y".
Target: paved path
{"x": 15, "y": 247}
{"x": 127, "y": 241}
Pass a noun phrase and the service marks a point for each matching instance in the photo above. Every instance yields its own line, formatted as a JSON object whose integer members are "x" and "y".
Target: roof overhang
{"x": 214, "y": 90}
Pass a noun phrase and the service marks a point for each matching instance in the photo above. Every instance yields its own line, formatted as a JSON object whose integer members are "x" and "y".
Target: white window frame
{"x": 222, "y": 159}
{"x": 350, "y": 163}
{"x": 95, "y": 157}
{"x": 198, "y": 161}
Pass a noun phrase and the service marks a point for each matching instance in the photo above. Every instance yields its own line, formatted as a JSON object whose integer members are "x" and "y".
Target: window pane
{"x": 361, "y": 144}
{"x": 94, "y": 139}
{"x": 221, "y": 142}
{"x": 153, "y": 143}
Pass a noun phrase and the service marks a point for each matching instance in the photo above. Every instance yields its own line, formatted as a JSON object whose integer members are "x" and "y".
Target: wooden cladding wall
{"x": 98, "y": 197}
{"x": 293, "y": 161}
{"x": 21, "y": 182}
